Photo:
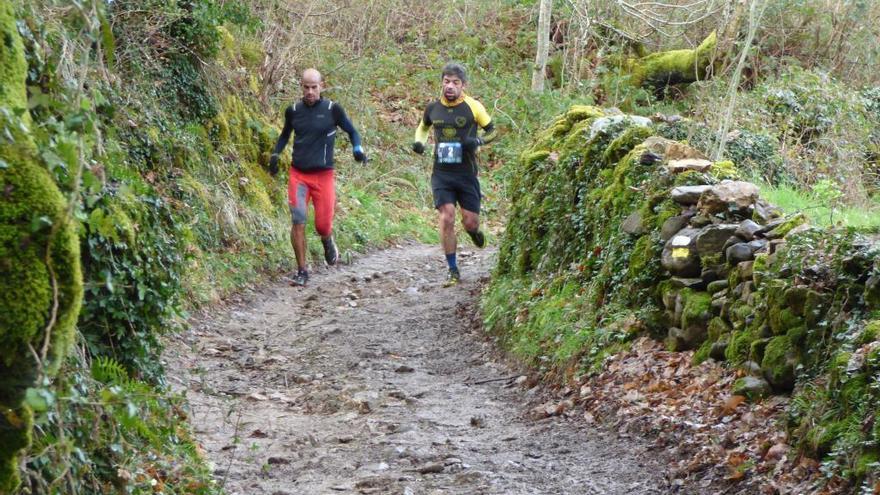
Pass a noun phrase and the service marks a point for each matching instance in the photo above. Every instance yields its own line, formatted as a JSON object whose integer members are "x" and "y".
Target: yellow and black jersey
{"x": 455, "y": 133}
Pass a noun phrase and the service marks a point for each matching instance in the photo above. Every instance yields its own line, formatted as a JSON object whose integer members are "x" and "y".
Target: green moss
{"x": 779, "y": 362}
{"x": 717, "y": 328}
{"x": 582, "y": 112}
{"x": 790, "y": 223}
{"x": 675, "y": 66}
{"x": 741, "y": 312}
{"x": 783, "y": 319}
{"x": 867, "y": 463}
{"x": 219, "y": 126}
{"x": 852, "y": 392}
{"x": 724, "y": 170}
{"x": 759, "y": 269}
{"x": 574, "y": 141}
{"x": 690, "y": 178}
{"x": 39, "y": 256}
{"x": 870, "y": 333}
{"x": 838, "y": 364}
{"x": 702, "y": 353}
{"x": 821, "y": 438}
{"x": 795, "y": 298}
{"x": 739, "y": 349}
{"x": 815, "y": 308}
{"x": 666, "y": 209}
{"x": 113, "y": 223}
{"x": 711, "y": 260}
{"x": 757, "y": 349}
{"x": 531, "y": 157}
{"x": 697, "y": 308}
{"x": 645, "y": 256}
{"x": 624, "y": 143}
{"x": 797, "y": 335}
{"x": 733, "y": 279}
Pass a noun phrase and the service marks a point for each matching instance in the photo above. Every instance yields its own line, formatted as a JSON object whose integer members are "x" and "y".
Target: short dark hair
{"x": 455, "y": 69}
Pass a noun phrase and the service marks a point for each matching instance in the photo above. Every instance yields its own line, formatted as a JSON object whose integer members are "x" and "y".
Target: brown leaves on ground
{"x": 714, "y": 438}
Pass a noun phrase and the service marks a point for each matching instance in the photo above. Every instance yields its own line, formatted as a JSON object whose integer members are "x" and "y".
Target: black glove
{"x": 471, "y": 143}
{"x": 273, "y": 164}
{"x": 418, "y": 147}
{"x": 359, "y": 155}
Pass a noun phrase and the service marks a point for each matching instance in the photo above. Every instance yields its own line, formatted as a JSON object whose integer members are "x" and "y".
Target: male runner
{"x": 313, "y": 121}
{"x": 455, "y": 118}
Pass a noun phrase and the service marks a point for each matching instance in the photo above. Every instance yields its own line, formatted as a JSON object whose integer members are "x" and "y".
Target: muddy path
{"x": 376, "y": 379}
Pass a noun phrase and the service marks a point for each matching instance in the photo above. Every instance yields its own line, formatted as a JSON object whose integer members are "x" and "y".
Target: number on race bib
{"x": 449, "y": 153}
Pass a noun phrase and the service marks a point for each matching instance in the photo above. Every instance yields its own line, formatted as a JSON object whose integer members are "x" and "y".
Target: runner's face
{"x": 311, "y": 90}
{"x": 452, "y": 88}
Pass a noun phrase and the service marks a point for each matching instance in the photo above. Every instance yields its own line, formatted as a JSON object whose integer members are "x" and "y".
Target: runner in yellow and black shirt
{"x": 456, "y": 118}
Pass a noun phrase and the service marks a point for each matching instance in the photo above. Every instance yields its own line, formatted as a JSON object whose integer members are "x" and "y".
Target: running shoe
{"x": 331, "y": 254}
{"x": 453, "y": 278}
{"x": 300, "y": 279}
{"x": 478, "y": 238}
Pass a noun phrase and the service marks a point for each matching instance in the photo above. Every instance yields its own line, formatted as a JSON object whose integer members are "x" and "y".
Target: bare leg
{"x": 298, "y": 241}
{"x": 447, "y": 227}
{"x": 470, "y": 220}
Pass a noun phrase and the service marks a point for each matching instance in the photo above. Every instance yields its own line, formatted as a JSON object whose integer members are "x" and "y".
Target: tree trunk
{"x": 730, "y": 33}
{"x": 661, "y": 69}
{"x": 543, "y": 46}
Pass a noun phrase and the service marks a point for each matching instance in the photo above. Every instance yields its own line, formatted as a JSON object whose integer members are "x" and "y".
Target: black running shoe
{"x": 453, "y": 278}
{"x": 331, "y": 254}
{"x": 478, "y": 238}
{"x": 300, "y": 279}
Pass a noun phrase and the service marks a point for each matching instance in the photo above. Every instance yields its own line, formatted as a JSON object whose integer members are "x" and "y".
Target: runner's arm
{"x": 481, "y": 116}
{"x": 489, "y": 133}
{"x": 422, "y": 133}
{"x": 345, "y": 124}
{"x": 285, "y": 132}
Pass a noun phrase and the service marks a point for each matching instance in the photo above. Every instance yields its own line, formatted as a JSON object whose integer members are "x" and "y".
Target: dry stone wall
{"x": 615, "y": 232}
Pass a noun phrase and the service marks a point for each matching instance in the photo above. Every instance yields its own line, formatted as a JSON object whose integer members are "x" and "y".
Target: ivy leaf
{"x": 40, "y": 223}
{"x": 108, "y": 279}
{"x": 53, "y": 161}
{"x": 39, "y": 399}
{"x": 3, "y": 164}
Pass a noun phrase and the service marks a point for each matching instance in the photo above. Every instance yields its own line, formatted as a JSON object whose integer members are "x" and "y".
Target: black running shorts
{"x": 463, "y": 189}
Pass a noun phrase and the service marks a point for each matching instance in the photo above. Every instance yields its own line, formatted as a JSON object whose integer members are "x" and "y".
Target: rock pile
{"x": 711, "y": 248}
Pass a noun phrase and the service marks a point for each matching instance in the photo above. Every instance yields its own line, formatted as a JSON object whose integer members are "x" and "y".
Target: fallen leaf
{"x": 731, "y": 404}
{"x": 777, "y": 451}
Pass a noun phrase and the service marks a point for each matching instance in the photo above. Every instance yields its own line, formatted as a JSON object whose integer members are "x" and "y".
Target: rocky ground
{"x": 376, "y": 379}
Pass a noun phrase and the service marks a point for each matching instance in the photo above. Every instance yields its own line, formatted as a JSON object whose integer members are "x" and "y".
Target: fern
{"x": 108, "y": 370}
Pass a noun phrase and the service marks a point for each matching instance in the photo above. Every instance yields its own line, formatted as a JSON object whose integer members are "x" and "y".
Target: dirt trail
{"x": 376, "y": 379}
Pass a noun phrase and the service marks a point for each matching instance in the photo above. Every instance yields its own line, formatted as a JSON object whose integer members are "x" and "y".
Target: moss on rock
{"x": 739, "y": 349}
{"x": 697, "y": 309}
{"x": 783, "y": 319}
{"x": 40, "y": 279}
{"x": 759, "y": 269}
{"x": 870, "y": 333}
{"x": 779, "y": 362}
{"x": 794, "y": 309}
{"x": 724, "y": 169}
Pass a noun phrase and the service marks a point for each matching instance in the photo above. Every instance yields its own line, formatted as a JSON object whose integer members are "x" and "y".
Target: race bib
{"x": 449, "y": 153}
